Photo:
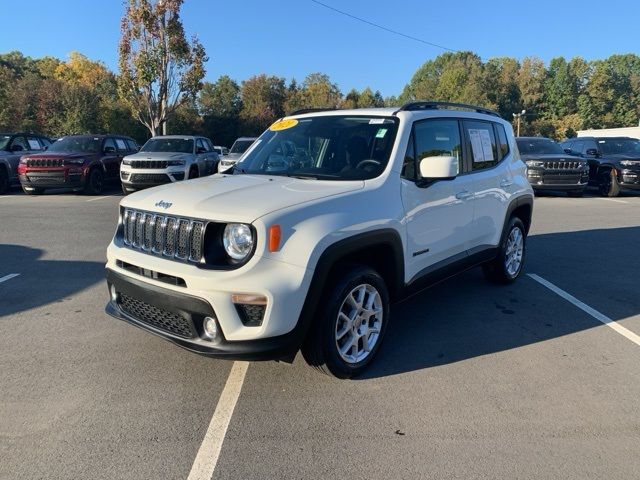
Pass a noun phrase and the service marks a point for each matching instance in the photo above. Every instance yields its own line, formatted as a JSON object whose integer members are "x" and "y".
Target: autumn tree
{"x": 263, "y": 99}
{"x": 159, "y": 68}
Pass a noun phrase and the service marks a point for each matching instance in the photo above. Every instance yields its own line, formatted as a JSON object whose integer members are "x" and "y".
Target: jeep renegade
{"x": 329, "y": 218}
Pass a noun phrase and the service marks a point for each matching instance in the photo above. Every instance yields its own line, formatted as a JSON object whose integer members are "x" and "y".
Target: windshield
{"x": 541, "y": 146}
{"x": 241, "y": 146}
{"x": 4, "y": 140}
{"x": 173, "y": 145}
{"x": 326, "y": 147}
{"x": 77, "y": 144}
{"x": 619, "y": 146}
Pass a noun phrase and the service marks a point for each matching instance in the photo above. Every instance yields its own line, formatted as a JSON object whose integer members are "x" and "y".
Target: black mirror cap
{"x": 593, "y": 152}
{"x": 109, "y": 150}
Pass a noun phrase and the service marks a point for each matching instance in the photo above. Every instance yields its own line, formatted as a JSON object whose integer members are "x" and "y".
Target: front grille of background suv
{"x": 180, "y": 239}
{"x": 561, "y": 165}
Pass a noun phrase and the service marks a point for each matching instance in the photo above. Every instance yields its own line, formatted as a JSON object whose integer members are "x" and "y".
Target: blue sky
{"x": 291, "y": 38}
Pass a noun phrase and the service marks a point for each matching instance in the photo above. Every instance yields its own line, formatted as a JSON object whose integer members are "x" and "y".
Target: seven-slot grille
{"x": 149, "y": 163}
{"x": 562, "y": 165}
{"x": 45, "y": 162}
{"x": 177, "y": 238}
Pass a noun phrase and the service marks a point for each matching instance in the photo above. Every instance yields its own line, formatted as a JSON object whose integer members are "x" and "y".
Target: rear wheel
{"x": 508, "y": 265}
{"x": 348, "y": 331}
{"x": 95, "y": 182}
{"x": 4, "y": 181}
{"x": 608, "y": 184}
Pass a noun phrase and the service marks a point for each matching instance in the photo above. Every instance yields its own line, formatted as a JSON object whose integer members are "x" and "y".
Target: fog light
{"x": 114, "y": 294}
{"x": 210, "y": 328}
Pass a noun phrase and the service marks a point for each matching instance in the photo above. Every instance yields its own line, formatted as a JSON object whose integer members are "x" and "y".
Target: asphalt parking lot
{"x": 473, "y": 380}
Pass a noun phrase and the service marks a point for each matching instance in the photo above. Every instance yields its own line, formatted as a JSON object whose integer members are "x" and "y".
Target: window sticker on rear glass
{"x": 381, "y": 132}
{"x": 481, "y": 145}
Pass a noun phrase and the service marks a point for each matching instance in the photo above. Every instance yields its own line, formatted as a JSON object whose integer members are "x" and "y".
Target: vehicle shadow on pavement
{"x": 41, "y": 282}
{"x": 467, "y": 317}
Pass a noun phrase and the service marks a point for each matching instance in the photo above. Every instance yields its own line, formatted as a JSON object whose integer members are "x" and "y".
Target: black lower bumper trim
{"x": 195, "y": 309}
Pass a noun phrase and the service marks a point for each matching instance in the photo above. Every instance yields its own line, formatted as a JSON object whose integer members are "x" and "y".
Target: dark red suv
{"x": 81, "y": 162}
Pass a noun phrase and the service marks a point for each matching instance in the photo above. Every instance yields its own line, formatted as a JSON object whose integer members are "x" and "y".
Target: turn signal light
{"x": 275, "y": 235}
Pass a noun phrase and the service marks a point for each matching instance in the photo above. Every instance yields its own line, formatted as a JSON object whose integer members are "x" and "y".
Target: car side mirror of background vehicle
{"x": 592, "y": 152}
{"x": 200, "y": 150}
{"x": 569, "y": 151}
{"x": 16, "y": 148}
{"x": 439, "y": 168}
{"x": 109, "y": 150}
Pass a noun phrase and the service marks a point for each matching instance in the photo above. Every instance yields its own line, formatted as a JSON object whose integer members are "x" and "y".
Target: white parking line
{"x": 8, "y": 277}
{"x": 207, "y": 457}
{"x": 613, "y": 200}
{"x": 587, "y": 309}
{"x": 99, "y": 198}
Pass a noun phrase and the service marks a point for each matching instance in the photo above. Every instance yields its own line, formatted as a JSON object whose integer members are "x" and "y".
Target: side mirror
{"x": 568, "y": 151}
{"x": 17, "y": 148}
{"x": 593, "y": 152}
{"x": 200, "y": 150}
{"x": 109, "y": 150}
{"x": 439, "y": 168}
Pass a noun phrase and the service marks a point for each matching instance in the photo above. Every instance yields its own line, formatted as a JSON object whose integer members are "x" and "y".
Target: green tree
{"x": 263, "y": 99}
{"x": 159, "y": 68}
{"x": 221, "y": 98}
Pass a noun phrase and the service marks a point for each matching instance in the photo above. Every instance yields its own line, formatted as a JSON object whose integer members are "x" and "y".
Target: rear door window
{"x": 34, "y": 144}
{"x": 481, "y": 144}
{"x": 122, "y": 145}
{"x": 503, "y": 143}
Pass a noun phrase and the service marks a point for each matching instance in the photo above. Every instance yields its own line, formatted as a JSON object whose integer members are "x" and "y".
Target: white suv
{"x": 369, "y": 206}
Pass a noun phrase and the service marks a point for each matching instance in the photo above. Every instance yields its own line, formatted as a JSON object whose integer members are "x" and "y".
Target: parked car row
{"x": 86, "y": 163}
{"x": 611, "y": 165}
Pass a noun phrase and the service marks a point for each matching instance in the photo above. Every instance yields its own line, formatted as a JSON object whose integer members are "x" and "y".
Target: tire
{"x": 193, "y": 172}
{"x": 95, "y": 182}
{"x": 33, "y": 191}
{"x": 575, "y": 193}
{"x": 4, "y": 181}
{"x": 321, "y": 347}
{"x": 502, "y": 269}
{"x": 608, "y": 184}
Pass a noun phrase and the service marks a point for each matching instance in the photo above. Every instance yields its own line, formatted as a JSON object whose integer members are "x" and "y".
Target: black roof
{"x": 535, "y": 138}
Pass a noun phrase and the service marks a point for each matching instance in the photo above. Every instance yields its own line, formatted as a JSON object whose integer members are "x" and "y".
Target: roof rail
{"x": 426, "y": 105}
{"x": 312, "y": 110}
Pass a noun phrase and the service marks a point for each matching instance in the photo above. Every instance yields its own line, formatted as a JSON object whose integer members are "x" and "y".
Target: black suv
{"x": 549, "y": 167}
{"x": 12, "y": 147}
{"x": 614, "y": 162}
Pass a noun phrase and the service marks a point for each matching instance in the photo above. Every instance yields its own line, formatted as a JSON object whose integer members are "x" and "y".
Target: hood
{"x": 57, "y": 155}
{"x": 235, "y": 198}
{"x": 621, "y": 156}
{"x": 552, "y": 157}
{"x": 157, "y": 156}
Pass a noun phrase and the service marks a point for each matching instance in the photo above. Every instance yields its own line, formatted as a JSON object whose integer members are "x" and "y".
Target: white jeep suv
{"x": 369, "y": 206}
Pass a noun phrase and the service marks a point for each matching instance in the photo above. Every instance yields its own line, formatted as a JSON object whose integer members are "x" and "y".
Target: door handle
{"x": 463, "y": 195}
{"x": 506, "y": 183}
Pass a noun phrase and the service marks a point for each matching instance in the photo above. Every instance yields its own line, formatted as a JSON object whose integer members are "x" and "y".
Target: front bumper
{"x": 544, "y": 179}
{"x": 178, "y": 317}
{"x": 63, "y": 177}
{"x": 143, "y": 178}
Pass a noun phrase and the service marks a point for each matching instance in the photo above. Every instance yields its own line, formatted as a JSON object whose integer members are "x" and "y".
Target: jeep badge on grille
{"x": 163, "y": 204}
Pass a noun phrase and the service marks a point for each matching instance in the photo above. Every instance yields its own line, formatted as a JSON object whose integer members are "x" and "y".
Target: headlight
{"x": 534, "y": 163}
{"x": 74, "y": 161}
{"x": 238, "y": 240}
{"x": 126, "y": 161}
{"x": 630, "y": 163}
{"x": 176, "y": 163}
{"x": 23, "y": 161}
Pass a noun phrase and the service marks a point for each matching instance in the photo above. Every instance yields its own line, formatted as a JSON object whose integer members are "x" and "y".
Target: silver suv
{"x": 239, "y": 147}
{"x": 166, "y": 159}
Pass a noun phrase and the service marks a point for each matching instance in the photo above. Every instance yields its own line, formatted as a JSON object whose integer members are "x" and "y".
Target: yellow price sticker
{"x": 283, "y": 125}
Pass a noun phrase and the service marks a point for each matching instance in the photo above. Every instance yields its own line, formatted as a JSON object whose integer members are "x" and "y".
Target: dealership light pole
{"x": 518, "y": 116}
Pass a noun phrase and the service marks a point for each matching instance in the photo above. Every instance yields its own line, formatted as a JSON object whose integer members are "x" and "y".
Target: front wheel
{"x": 348, "y": 332}
{"x": 95, "y": 182}
{"x": 509, "y": 262}
{"x": 608, "y": 184}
